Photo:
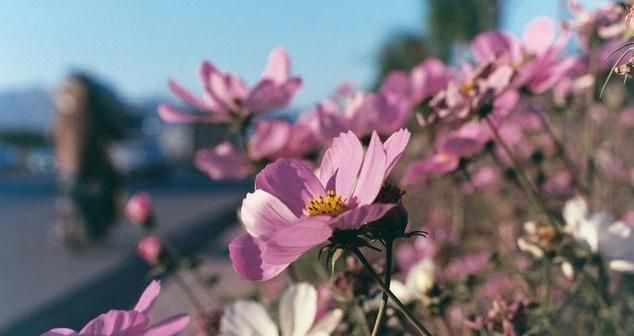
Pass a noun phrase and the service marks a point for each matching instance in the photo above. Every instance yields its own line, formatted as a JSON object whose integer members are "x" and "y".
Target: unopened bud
{"x": 151, "y": 250}
{"x": 139, "y": 210}
{"x": 392, "y": 225}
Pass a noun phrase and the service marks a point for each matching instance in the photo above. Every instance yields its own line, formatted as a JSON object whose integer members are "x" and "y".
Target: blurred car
{"x": 139, "y": 158}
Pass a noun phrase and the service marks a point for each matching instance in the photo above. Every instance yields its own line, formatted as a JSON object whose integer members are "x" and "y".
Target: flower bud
{"x": 151, "y": 250}
{"x": 392, "y": 225}
{"x": 139, "y": 210}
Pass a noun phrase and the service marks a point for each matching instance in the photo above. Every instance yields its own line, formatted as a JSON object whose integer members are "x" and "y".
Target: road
{"x": 34, "y": 272}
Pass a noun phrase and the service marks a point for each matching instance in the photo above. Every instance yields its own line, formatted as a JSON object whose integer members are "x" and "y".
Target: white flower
{"x": 420, "y": 280}
{"x": 297, "y": 309}
{"x": 613, "y": 240}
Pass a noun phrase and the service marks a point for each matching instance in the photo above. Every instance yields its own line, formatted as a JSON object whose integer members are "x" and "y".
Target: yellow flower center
{"x": 467, "y": 87}
{"x": 331, "y": 205}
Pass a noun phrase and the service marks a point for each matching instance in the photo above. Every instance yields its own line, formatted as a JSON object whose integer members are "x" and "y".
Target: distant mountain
{"x": 26, "y": 109}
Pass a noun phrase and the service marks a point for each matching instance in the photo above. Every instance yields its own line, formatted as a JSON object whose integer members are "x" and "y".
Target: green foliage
{"x": 452, "y": 21}
{"x": 23, "y": 138}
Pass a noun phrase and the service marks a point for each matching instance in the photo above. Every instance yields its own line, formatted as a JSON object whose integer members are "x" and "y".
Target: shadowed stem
{"x": 387, "y": 278}
{"x": 548, "y": 283}
{"x": 524, "y": 180}
{"x": 190, "y": 295}
{"x": 563, "y": 154}
{"x": 399, "y": 305}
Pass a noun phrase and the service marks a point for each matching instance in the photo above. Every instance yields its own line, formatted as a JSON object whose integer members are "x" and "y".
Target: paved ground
{"x": 38, "y": 278}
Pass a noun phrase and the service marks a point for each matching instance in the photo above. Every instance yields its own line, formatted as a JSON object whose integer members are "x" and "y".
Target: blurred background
{"x": 115, "y": 57}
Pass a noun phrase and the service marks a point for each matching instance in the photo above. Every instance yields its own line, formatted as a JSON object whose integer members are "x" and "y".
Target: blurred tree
{"x": 451, "y": 21}
{"x": 402, "y": 52}
{"x": 448, "y": 22}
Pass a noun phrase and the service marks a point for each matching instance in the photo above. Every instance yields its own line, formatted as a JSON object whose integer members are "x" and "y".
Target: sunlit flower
{"x": 418, "y": 285}
{"x": 423, "y": 82}
{"x": 537, "y": 239}
{"x": 476, "y": 91}
{"x": 292, "y": 210}
{"x": 613, "y": 240}
{"x": 536, "y": 57}
{"x": 130, "y": 322}
{"x": 297, "y": 312}
{"x": 227, "y": 98}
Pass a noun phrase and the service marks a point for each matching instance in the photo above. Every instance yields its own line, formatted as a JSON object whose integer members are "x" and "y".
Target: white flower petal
{"x": 574, "y": 212}
{"x": 622, "y": 266}
{"x": 247, "y": 318}
{"x": 327, "y": 324}
{"x": 298, "y": 306}
{"x": 421, "y": 277}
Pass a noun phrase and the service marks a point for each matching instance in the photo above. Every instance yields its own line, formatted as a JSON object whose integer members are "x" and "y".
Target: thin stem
{"x": 548, "y": 283}
{"x": 524, "y": 180}
{"x": 399, "y": 305}
{"x": 387, "y": 278}
{"x": 563, "y": 154}
{"x": 188, "y": 292}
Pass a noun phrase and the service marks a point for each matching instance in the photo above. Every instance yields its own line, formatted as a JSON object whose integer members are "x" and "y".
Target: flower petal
{"x": 173, "y": 115}
{"x": 539, "y": 35}
{"x": 355, "y": 218}
{"x": 264, "y": 214}
{"x": 343, "y": 158}
{"x": 372, "y": 173}
{"x": 116, "y": 322}
{"x": 60, "y": 332}
{"x": 291, "y": 181}
{"x": 245, "y": 253}
{"x": 223, "y": 162}
{"x": 268, "y": 96}
{"x": 186, "y": 96}
{"x": 327, "y": 324}
{"x": 146, "y": 301}
{"x": 488, "y": 46}
{"x": 278, "y": 66}
{"x": 289, "y": 244}
{"x": 247, "y": 318}
{"x": 171, "y": 326}
{"x": 394, "y": 147}
{"x": 298, "y": 306}
{"x": 269, "y": 138}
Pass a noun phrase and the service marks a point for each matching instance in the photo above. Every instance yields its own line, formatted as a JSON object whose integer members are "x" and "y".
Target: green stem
{"x": 387, "y": 278}
{"x": 399, "y": 305}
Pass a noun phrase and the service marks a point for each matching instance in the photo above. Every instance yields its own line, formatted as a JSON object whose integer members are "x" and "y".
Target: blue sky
{"x": 137, "y": 45}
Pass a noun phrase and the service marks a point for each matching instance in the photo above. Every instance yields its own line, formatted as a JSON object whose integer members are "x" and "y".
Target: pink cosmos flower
{"x": 434, "y": 165}
{"x": 269, "y": 139}
{"x": 130, "y": 322}
{"x": 487, "y": 86}
{"x": 223, "y": 162}
{"x": 226, "y": 97}
{"x": 535, "y": 57}
{"x": 367, "y": 112}
{"x": 423, "y": 82}
{"x": 466, "y": 265}
{"x": 139, "y": 208}
{"x": 293, "y": 210}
